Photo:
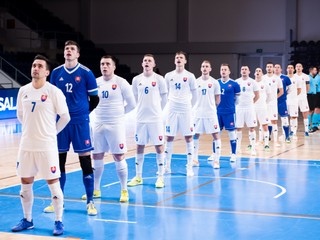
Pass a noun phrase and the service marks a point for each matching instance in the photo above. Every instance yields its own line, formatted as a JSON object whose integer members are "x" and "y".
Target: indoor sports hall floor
{"x": 273, "y": 195}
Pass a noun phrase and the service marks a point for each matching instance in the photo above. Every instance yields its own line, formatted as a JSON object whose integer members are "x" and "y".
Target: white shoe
{"x": 253, "y": 152}
{"x": 211, "y": 158}
{"x": 196, "y": 163}
{"x": 233, "y": 158}
{"x": 216, "y": 164}
{"x": 190, "y": 172}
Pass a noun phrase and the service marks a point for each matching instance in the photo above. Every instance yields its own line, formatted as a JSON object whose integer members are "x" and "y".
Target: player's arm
{"x": 256, "y": 96}
{"x": 217, "y": 99}
{"x": 93, "y": 102}
{"x": 19, "y": 107}
{"x": 194, "y": 97}
{"x": 307, "y": 86}
{"x": 236, "y": 98}
{"x": 280, "y": 92}
{"x": 164, "y": 98}
{"x": 62, "y": 121}
{"x": 128, "y": 97}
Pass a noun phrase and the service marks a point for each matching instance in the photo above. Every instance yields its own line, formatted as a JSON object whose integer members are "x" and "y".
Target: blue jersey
{"x": 314, "y": 81}
{"x": 229, "y": 90}
{"x": 285, "y": 82}
{"x": 76, "y": 84}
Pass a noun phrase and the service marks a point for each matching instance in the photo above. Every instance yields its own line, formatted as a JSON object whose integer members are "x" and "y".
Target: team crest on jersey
{"x": 154, "y": 84}
{"x": 248, "y": 83}
{"x": 53, "y": 169}
{"x": 121, "y": 145}
{"x": 262, "y": 87}
{"x": 87, "y": 142}
{"x": 185, "y": 79}
{"x": 209, "y": 85}
{"x": 229, "y": 86}
{"x": 215, "y": 126}
{"x": 160, "y": 138}
{"x": 44, "y": 98}
{"x": 191, "y": 129}
{"x": 254, "y": 121}
{"x": 273, "y": 80}
{"x": 274, "y": 115}
{"x": 77, "y": 79}
{"x": 114, "y": 86}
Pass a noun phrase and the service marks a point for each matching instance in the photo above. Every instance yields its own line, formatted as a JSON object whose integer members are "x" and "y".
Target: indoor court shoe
{"x": 190, "y": 172}
{"x": 233, "y": 158}
{"x": 267, "y": 148}
{"x": 124, "y": 197}
{"x": 288, "y": 140}
{"x": 49, "y": 209}
{"x": 253, "y": 152}
{"x": 91, "y": 209}
{"x": 23, "y": 225}
{"x": 135, "y": 181}
{"x": 167, "y": 170}
{"x": 211, "y": 158}
{"x": 159, "y": 183}
{"x": 58, "y": 228}
{"x": 216, "y": 164}
{"x": 96, "y": 194}
{"x": 306, "y": 134}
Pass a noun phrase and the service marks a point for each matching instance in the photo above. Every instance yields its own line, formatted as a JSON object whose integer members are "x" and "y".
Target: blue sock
{"x": 286, "y": 131}
{"x": 63, "y": 179}
{"x": 314, "y": 120}
{"x": 270, "y": 130}
{"x": 88, "y": 184}
{"x": 233, "y": 144}
{"x": 310, "y": 120}
{"x": 213, "y": 147}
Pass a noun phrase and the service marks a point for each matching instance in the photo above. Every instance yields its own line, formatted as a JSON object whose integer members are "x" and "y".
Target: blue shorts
{"x": 282, "y": 109}
{"x": 77, "y": 134}
{"x": 227, "y": 121}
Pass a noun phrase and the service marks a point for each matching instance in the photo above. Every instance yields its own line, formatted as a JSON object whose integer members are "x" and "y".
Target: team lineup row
{"x": 195, "y": 106}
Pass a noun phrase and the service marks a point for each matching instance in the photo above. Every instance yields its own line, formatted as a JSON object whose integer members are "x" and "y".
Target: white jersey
{"x": 206, "y": 92}
{"x": 40, "y": 108}
{"x": 304, "y": 78}
{"x": 148, "y": 91}
{"x": 112, "y": 97}
{"x": 264, "y": 92}
{"x": 179, "y": 87}
{"x": 247, "y": 87}
{"x": 275, "y": 83}
{"x": 292, "y": 96}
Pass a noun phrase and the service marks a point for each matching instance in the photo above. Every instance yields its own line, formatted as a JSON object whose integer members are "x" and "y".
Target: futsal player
{"x": 108, "y": 128}
{"x": 150, "y": 91}
{"x": 182, "y": 95}
{"x": 79, "y": 85}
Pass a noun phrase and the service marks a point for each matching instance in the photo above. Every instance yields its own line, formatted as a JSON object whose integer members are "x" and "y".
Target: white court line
{"x": 283, "y": 190}
{"x": 116, "y": 221}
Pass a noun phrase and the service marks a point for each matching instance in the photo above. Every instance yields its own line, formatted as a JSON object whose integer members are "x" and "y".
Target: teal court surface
{"x": 253, "y": 198}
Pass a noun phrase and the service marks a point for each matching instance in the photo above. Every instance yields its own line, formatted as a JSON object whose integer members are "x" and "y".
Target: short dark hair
{"x": 111, "y": 57}
{"x": 41, "y": 57}
{"x": 225, "y": 65}
{"x": 181, "y": 53}
{"x": 71, "y": 42}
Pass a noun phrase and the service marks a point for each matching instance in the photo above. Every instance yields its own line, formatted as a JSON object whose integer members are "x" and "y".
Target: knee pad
{"x": 62, "y": 161}
{"x": 86, "y": 166}
{"x": 285, "y": 121}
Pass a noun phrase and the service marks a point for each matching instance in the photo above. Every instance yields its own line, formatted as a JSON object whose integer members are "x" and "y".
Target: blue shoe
{"x": 58, "y": 228}
{"x": 291, "y": 134}
{"x": 306, "y": 134}
{"x": 23, "y": 225}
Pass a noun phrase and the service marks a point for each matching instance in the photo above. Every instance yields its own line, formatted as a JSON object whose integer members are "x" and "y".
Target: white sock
{"x": 190, "y": 148}
{"x": 275, "y": 132}
{"x": 252, "y": 139}
{"x": 217, "y": 145}
{"x": 239, "y": 139}
{"x": 98, "y": 166}
{"x": 139, "y": 164}
{"x": 306, "y": 124}
{"x": 196, "y": 149}
{"x": 294, "y": 125}
{"x": 26, "y": 197}
{"x": 261, "y": 134}
{"x": 168, "y": 152}
{"x": 160, "y": 163}
{"x": 57, "y": 199}
{"x": 122, "y": 172}
{"x": 266, "y": 138}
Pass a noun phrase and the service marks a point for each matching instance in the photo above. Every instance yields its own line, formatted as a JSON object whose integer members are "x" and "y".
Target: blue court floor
{"x": 251, "y": 199}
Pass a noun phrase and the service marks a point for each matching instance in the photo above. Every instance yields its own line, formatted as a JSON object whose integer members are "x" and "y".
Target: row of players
{"x": 111, "y": 96}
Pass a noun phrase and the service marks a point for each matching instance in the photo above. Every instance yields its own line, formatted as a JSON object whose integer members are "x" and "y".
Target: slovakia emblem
{"x": 77, "y": 79}
{"x": 262, "y": 87}
{"x": 53, "y": 169}
{"x": 121, "y": 145}
{"x": 191, "y": 129}
{"x": 87, "y": 142}
{"x": 249, "y": 84}
{"x": 210, "y": 85}
{"x": 114, "y": 86}
{"x": 154, "y": 84}
{"x": 274, "y": 115}
{"x": 160, "y": 138}
{"x": 44, "y": 98}
{"x": 185, "y": 79}
{"x": 215, "y": 126}
{"x": 273, "y": 80}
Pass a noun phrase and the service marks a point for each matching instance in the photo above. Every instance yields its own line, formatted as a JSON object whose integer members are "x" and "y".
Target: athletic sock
{"x": 57, "y": 200}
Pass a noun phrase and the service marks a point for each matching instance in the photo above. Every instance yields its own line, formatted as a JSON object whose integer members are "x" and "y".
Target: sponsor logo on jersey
{"x": 53, "y": 169}
{"x": 210, "y": 85}
{"x": 61, "y": 79}
{"x": 273, "y": 80}
{"x": 121, "y": 145}
{"x": 87, "y": 142}
{"x": 140, "y": 84}
{"x": 160, "y": 138}
{"x": 44, "y": 98}
{"x": 77, "y": 78}
{"x": 114, "y": 86}
{"x": 171, "y": 80}
{"x": 154, "y": 84}
{"x": 185, "y": 79}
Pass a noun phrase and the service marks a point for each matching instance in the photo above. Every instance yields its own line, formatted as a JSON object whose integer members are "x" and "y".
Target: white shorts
{"x": 150, "y": 131}
{"x": 262, "y": 116}
{"x": 293, "y": 110}
{"x": 303, "y": 104}
{"x": 246, "y": 116}
{"x": 206, "y": 125}
{"x": 179, "y": 122}
{"x": 109, "y": 137}
{"x": 273, "y": 112}
{"x": 45, "y": 163}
